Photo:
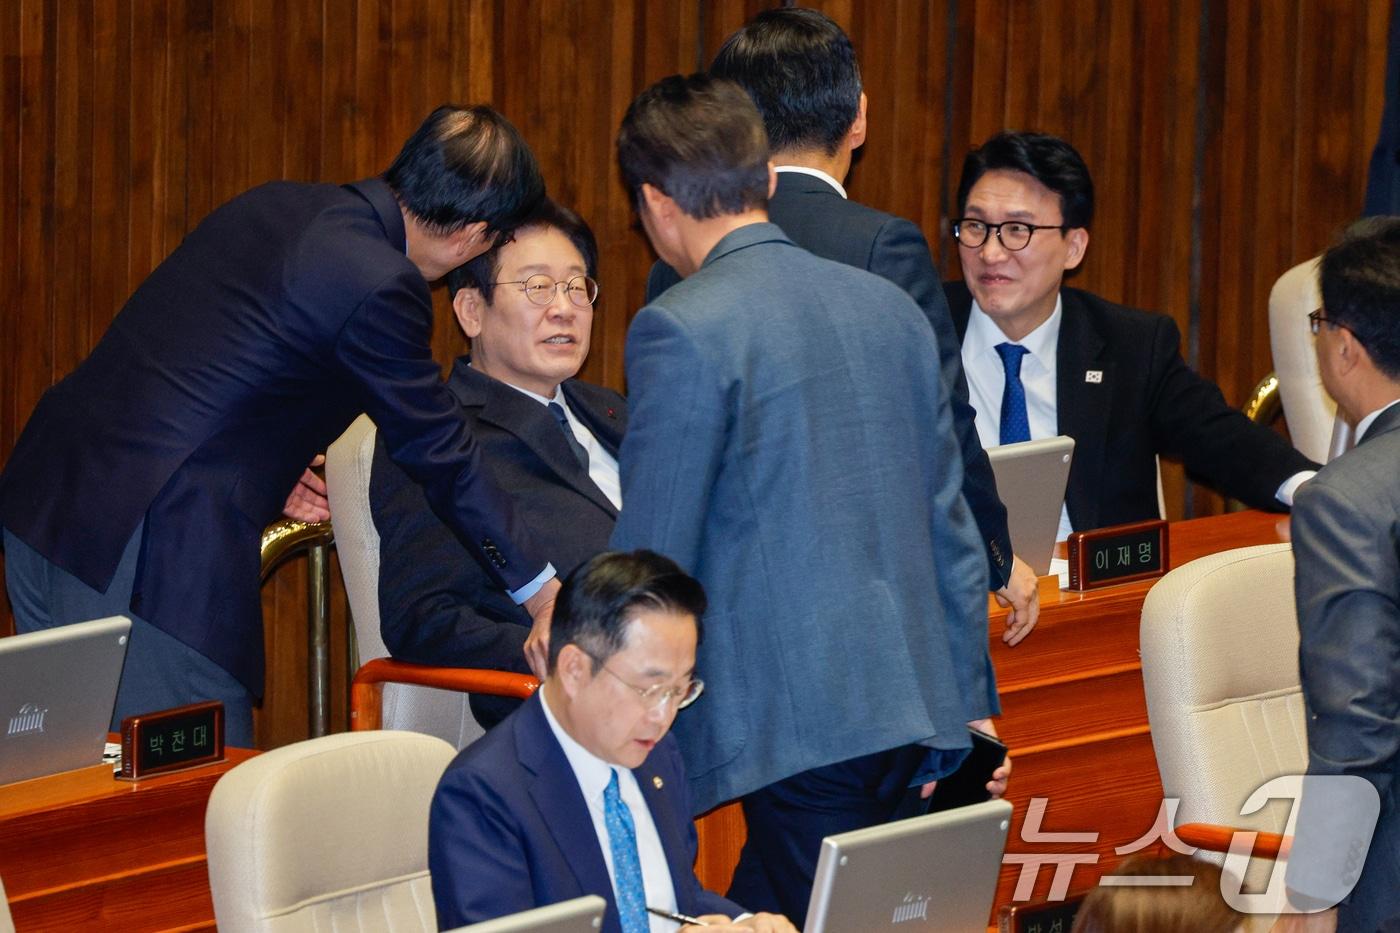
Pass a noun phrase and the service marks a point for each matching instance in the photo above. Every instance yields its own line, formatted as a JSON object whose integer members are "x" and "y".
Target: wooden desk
{"x": 1073, "y": 714}
{"x": 84, "y": 851}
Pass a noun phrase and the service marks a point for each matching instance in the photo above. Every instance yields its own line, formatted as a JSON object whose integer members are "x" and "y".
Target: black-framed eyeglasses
{"x": 539, "y": 288}
{"x": 1317, "y": 318}
{"x": 657, "y": 696}
{"x": 1011, "y": 234}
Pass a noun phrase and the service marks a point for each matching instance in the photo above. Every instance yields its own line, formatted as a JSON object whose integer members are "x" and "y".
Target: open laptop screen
{"x": 934, "y": 872}
{"x": 58, "y": 687}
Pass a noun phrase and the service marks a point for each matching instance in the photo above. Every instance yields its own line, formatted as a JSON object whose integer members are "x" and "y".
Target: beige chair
{"x": 1311, "y": 414}
{"x": 326, "y": 834}
{"x": 443, "y": 713}
{"x": 1219, "y": 641}
{"x": 6, "y": 924}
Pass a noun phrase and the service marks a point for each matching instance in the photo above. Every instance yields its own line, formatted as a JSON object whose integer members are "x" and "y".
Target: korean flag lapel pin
{"x": 1093, "y": 375}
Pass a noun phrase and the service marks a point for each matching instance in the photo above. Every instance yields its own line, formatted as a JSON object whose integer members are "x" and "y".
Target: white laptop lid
{"x": 58, "y": 687}
{"x": 935, "y": 872}
{"x": 1031, "y": 478}
{"x": 580, "y": 915}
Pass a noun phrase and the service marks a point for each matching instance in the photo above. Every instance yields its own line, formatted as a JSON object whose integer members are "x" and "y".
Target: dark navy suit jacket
{"x": 436, "y": 604}
{"x": 509, "y": 829}
{"x": 286, "y": 312}
{"x": 1146, "y": 402}
{"x": 818, "y": 219}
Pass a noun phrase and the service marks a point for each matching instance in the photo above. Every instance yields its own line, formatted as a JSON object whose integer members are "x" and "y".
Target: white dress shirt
{"x": 1364, "y": 424}
{"x": 602, "y": 466}
{"x": 593, "y": 775}
{"x": 986, "y": 381}
{"x": 815, "y": 173}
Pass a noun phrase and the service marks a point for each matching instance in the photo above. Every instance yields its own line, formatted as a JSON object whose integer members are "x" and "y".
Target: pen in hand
{"x": 682, "y": 919}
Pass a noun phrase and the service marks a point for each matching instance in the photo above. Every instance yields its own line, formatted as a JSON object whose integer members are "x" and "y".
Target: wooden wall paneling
{"x": 69, "y": 266}
{"x": 107, "y": 162}
{"x": 231, "y": 105}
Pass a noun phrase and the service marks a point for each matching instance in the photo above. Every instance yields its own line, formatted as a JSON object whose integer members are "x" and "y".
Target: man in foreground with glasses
{"x": 550, "y": 440}
{"x": 581, "y": 790}
{"x": 1042, "y": 359}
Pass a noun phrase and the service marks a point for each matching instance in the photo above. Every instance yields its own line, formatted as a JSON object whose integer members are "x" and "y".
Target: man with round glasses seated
{"x": 550, "y": 440}
{"x": 581, "y": 790}
{"x": 1043, "y": 359}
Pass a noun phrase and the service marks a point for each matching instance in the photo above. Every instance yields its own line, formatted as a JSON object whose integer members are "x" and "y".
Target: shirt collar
{"x": 1364, "y": 424}
{"x": 1042, "y": 343}
{"x": 815, "y": 173}
{"x": 558, "y": 393}
{"x": 593, "y": 773}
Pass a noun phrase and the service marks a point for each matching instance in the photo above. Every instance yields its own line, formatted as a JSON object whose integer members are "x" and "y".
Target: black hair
{"x": 1048, "y": 159}
{"x": 699, "y": 140}
{"x": 1360, "y": 276}
{"x": 481, "y": 271}
{"x": 598, "y": 601}
{"x": 463, "y": 165}
{"x": 800, "y": 69}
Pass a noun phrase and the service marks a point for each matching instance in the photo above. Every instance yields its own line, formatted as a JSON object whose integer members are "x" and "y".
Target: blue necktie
{"x": 1015, "y": 424}
{"x": 627, "y": 867}
{"x": 557, "y": 411}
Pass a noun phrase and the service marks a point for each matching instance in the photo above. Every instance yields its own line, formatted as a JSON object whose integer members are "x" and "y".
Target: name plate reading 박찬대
{"x": 1119, "y": 554}
{"x": 172, "y": 740}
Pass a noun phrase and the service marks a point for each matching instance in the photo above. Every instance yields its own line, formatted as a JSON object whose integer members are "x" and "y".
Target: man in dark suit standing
{"x": 800, "y": 69}
{"x": 143, "y": 480}
{"x": 1346, "y": 540}
{"x": 549, "y": 439}
{"x": 581, "y": 790}
{"x": 1043, "y": 359}
{"x": 800, "y": 459}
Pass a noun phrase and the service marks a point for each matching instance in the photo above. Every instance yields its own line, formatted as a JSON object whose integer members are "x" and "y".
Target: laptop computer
{"x": 57, "y": 691}
{"x": 935, "y": 872}
{"x": 1031, "y": 478}
{"x": 580, "y": 915}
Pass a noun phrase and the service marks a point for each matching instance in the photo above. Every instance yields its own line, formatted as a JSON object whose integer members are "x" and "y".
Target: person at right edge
{"x": 800, "y": 70}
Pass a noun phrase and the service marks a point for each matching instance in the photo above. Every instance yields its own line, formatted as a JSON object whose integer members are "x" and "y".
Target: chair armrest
{"x": 1215, "y": 838}
{"x": 367, "y": 689}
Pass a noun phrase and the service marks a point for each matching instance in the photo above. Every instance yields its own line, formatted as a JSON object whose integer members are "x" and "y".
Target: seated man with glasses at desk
{"x": 581, "y": 790}
{"x": 550, "y": 440}
{"x": 1042, "y": 359}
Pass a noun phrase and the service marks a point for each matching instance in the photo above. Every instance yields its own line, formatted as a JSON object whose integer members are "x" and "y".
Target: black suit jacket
{"x": 436, "y": 604}
{"x": 1146, "y": 402}
{"x": 819, "y": 220}
{"x": 286, "y": 312}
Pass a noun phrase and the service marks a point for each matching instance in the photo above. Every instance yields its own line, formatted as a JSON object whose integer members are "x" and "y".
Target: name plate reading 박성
{"x": 172, "y": 740}
{"x": 1119, "y": 554}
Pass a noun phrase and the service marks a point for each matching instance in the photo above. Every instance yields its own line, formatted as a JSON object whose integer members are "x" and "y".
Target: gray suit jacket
{"x": 799, "y": 460}
{"x": 1346, "y": 541}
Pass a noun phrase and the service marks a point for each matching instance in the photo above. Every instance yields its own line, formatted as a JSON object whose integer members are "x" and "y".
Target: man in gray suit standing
{"x": 800, "y": 461}
{"x": 1346, "y": 540}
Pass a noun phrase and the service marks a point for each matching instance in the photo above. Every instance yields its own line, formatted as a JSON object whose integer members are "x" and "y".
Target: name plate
{"x": 172, "y": 740}
{"x": 1118, "y": 554}
{"x": 1042, "y": 917}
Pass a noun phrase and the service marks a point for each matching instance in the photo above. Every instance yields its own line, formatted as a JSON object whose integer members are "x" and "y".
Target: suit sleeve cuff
{"x": 1289, "y": 487}
{"x": 520, "y": 596}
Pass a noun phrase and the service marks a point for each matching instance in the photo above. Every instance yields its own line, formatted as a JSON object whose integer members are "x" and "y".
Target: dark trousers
{"x": 160, "y": 671}
{"x": 788, "y": 820}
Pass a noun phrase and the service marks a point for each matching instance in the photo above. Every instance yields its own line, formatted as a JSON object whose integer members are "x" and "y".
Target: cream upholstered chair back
{"x": 1219, "y": 642}
{"x": 443, "y": 713}
{"x": 7, "y": 925}
{"x": 326, "y": 834}
{"x": 1311, "y": 414}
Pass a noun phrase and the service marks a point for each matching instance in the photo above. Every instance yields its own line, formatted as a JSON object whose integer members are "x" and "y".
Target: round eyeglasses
{"x": 539, "y": 288}
{"x": 657, "y": 696}
{"x": 1011, "y": 234}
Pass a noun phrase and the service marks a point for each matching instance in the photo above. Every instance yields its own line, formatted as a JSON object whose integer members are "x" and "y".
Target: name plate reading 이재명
{"x": 1118, "y": 554}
